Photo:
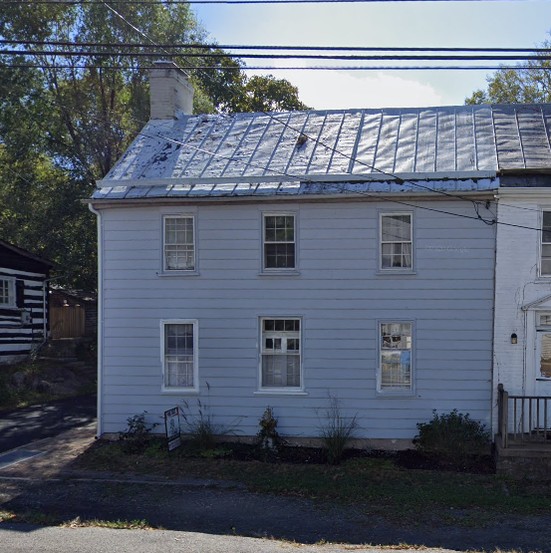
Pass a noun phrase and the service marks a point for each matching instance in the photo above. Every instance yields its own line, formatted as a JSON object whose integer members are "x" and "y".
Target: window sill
{"x": 180, "y": 391}
{"x": 177, "y": 274}
{"x": 395, "y": 272}
{"x": 395, "y": 393}
{"x": 280, "y": 392}
{"x": 279, "y": 273}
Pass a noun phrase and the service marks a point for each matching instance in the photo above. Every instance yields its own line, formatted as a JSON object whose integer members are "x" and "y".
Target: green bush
{"x": 453, "y": 437}
{"x": 268, "y": 439}
{"x": 136, "y": 437}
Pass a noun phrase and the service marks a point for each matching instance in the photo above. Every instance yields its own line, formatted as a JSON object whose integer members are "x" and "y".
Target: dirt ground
{"x": 48, "y": 485}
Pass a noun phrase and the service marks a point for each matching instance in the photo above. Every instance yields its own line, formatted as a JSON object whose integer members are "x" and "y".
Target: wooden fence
{"x": 67, "y": 322}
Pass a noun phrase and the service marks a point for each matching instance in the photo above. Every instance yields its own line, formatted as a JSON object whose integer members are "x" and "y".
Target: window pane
{"x": 546, "y": 266}
{"x": 545, "y": 320}
{"x": 280, "y": 359}
{"x": 279, "y": 242}
{"x": 395, "y": 355}
{"x": 179, "y": 355}
{"x": 395, "y": 369}
{"x": 396, "y": 228}
{"x": 396, "y": 246}
{"x": 280, "y": 371}
{"x": 545, "y": 357}
{"x": 4, "y": 292}
{"x": 179, "y": 246}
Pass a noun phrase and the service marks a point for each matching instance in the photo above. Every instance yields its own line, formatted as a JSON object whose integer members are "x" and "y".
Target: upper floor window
{"x": 180, "y": 354}
{"x": 396, "y": 241}
{"x": 279, "y": 242}
{"x": 395, "y": 366}
{"x": 546, "y": 244}
{"x": 179, "y": 243}
{"x": 7, "y": 292}
{"x": 280, "y": 353}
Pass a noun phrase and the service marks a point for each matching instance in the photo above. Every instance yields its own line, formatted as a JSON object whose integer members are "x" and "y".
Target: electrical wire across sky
{"x": 515, "y": 54}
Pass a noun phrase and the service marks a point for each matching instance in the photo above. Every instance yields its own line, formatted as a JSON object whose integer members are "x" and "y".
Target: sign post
{"x": 172, "y": 428}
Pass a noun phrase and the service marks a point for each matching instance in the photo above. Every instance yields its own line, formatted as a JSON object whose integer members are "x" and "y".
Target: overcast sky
{"x": 522, "y": 23}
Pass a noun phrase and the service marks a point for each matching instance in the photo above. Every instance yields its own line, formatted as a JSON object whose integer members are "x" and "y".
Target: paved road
{"x": 19, "y": 538}
{"x": 22, "y": 426}
{"x": 208, "y": 509}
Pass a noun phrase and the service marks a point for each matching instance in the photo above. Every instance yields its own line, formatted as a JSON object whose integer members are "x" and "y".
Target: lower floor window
{"x": 179, "y": 357}
{"x": 395, "y": 356}
{"x": 7, "y": 296}
{"x": 280, "y": 353}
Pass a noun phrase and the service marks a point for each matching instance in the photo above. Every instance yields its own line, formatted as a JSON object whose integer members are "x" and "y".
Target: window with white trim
{"x": 178, "y": 243}
{"x": 7, "y": 292}
{"x": 545, "y": 269}
{"x": 280, "y": 353}
{"x": 396, "y": 241}
{"x": 395, "y": 359}
{"x": 180, "y": 354}
{"x": 279, "y": 241}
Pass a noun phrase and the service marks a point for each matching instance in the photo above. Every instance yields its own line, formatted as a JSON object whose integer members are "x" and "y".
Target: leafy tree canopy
{"x": 65, "y": 121}
{"x": 514, "y": 86}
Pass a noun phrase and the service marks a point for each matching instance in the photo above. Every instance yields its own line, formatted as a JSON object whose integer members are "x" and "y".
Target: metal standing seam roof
{"x": 356, "y": 149}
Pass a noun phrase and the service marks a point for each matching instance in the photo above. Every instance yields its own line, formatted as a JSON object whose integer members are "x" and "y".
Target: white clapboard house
{"x": 23, "y": 301}
{"x": 283, "y": 259}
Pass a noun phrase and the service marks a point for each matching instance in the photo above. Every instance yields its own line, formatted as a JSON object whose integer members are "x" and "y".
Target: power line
{"x": 284, "y": 68}
{"x": 475, "y": 205}
{"x": 69, "y": 53}
{"x": 276, "y": 47}
{"x": 287, "y": 125}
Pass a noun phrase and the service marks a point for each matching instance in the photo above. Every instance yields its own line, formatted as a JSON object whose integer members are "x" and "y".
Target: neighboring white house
{"x": 256, "y": 260}
{"x": 522, "y": 336}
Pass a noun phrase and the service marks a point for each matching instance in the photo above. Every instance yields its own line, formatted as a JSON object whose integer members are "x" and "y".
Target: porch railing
{"x": 523, "y": 418}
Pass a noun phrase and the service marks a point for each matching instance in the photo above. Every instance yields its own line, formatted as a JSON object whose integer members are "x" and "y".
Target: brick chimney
{"x": 171, "y": 94}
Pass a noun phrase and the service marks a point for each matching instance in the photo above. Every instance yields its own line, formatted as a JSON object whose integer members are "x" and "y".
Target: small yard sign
{"x": 172, "y": 428}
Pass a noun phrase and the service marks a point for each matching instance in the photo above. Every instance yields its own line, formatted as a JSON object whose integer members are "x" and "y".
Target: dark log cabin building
{"x": 23, "y": 301}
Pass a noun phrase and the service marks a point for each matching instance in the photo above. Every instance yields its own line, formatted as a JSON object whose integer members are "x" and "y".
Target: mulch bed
{"x": 408, "y": 459}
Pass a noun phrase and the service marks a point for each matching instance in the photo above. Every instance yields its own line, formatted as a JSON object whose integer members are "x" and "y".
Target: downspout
{"x": 99, "y": 428}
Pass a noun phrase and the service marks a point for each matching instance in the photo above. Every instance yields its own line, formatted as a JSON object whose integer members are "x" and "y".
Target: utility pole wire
{"x": 83, "y": 53}
{"x": 275, "y": 47}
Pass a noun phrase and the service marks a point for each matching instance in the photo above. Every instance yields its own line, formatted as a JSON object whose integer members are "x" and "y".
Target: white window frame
{"x": 10, "y": 286}
{"x": 284, "y": 336}
{"x": 542, "y": 244}
{"x": 382, "y": 215}
{"x": 180, "y": 389}
{"x": 265, "y": 268}
{"x": 395, "y": 390}
{"x": 165, "y": 268}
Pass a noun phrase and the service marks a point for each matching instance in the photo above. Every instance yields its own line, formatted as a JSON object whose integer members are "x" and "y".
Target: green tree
{"x": 65, "y": 121}
{"x": 266, "y": 93}
{"x": 514, "y": 86}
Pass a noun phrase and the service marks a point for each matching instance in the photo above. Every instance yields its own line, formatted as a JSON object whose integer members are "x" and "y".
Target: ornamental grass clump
{"x": 336, "y": 431}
